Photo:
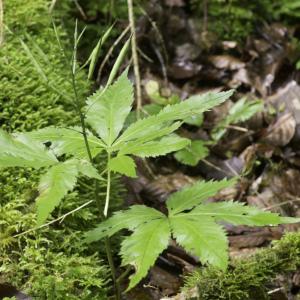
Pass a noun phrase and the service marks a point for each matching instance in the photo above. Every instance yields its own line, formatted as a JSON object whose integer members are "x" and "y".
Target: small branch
{"x": 56, "y": 220}
{"x": 109, "y": 53}
{"x": 81, "y": 11}
{"x": 275, "y": 290}
{"x": 238, "y": 128}
{"x": 282, "y": 203}
{"x": 135, "y": 59}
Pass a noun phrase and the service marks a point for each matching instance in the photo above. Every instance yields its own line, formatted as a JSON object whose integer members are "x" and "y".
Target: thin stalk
{"x": 61, "y": 218}
{"x": 1, "y": 23}
{"x": 107, "y": 187}
{"x": 135, "y": 58}
{"x": 107, "y": 242}
{"x": 124, "y": 274}
{"x": 84, "y": 133}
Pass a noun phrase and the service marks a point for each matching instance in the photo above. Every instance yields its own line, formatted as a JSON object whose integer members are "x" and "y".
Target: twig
{"x": 135, "y": 59}
{"x": 275, "y": 290}
{"x": 80, "y": 9}
{"x": 213, "y": 166}
{"x": 238, "y": 128}
{"x": 282, "y": 203}
{"x": 111, "y": 49}
{"x": 163, "y": 60}
{"x": 56, "y": 220}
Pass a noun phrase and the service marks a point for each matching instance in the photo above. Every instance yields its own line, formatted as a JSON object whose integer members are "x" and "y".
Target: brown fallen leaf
{"x": 281, "y": 132}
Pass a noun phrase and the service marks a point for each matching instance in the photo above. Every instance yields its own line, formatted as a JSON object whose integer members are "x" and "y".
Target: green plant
{"x": 68, "y": 153}
{"x": 191, "y": 221}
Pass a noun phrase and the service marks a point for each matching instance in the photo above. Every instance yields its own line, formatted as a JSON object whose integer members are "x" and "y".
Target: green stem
{"x": 107, "y": 187}
{"x": 107, "y": 242}
{"x": 98, "y": 200}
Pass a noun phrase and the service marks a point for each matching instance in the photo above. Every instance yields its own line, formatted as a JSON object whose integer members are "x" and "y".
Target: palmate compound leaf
{"x": 107, "y": 110}
{"x": 57, "y": 182}
{"x": 192, "y": 106}
{"x": 128, "y": 219}
{"x": 163, "y": 146}
{"x": 191, "y": 196}
{"x": 197, "y": 231}
{"x": 22, "y": 151}
{"x": 67, "y": 141}
{"x": 201, "y": 237}
{"x": 142, "y": 248}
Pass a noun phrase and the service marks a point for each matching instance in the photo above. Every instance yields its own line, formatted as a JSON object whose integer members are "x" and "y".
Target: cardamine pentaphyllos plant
{"x": 68, "y": 153}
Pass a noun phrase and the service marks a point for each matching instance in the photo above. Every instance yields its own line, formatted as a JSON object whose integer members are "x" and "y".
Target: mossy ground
{"x": 248, "y": 279}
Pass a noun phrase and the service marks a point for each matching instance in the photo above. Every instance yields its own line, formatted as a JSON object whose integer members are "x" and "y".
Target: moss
{"x": 236, "y": 19}
{"x": 247, "y": 279}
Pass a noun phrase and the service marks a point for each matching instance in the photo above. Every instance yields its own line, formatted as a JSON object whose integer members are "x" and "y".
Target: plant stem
{"x": 84, "y": 133}
{"x": 135, "y": 59}
{"x": 107, "y": 242}
{"x": 1, "y": 23}
{"x": 108, "y": 184}
{"x": 112, "y": 268}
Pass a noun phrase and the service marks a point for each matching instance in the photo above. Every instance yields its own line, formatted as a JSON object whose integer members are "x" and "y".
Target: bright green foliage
{"x": 108, "y": 109}
{"x": 201, "y": 237}
{"x": 106, "y": 112}
{"x": 241, "y": 111}
{"x": 67, "y": 141}
{"x": 131, "y": 219}
{"x": 238, "y": 214}
{"x": 145, "y": 128}
{"x": 192, "y": 154}
{"x": 189, "y": 197}
{"x": 21, "y": 151}
{"x": 87, "y": 169}
{"x": 124, "y": 165}
{"x": 138, "y": 250}
{"x": 53, "y": 186}
{"x": 248, "y": 278}
{"x": 156, "y": 148}
{"x": 190, "y": 221}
